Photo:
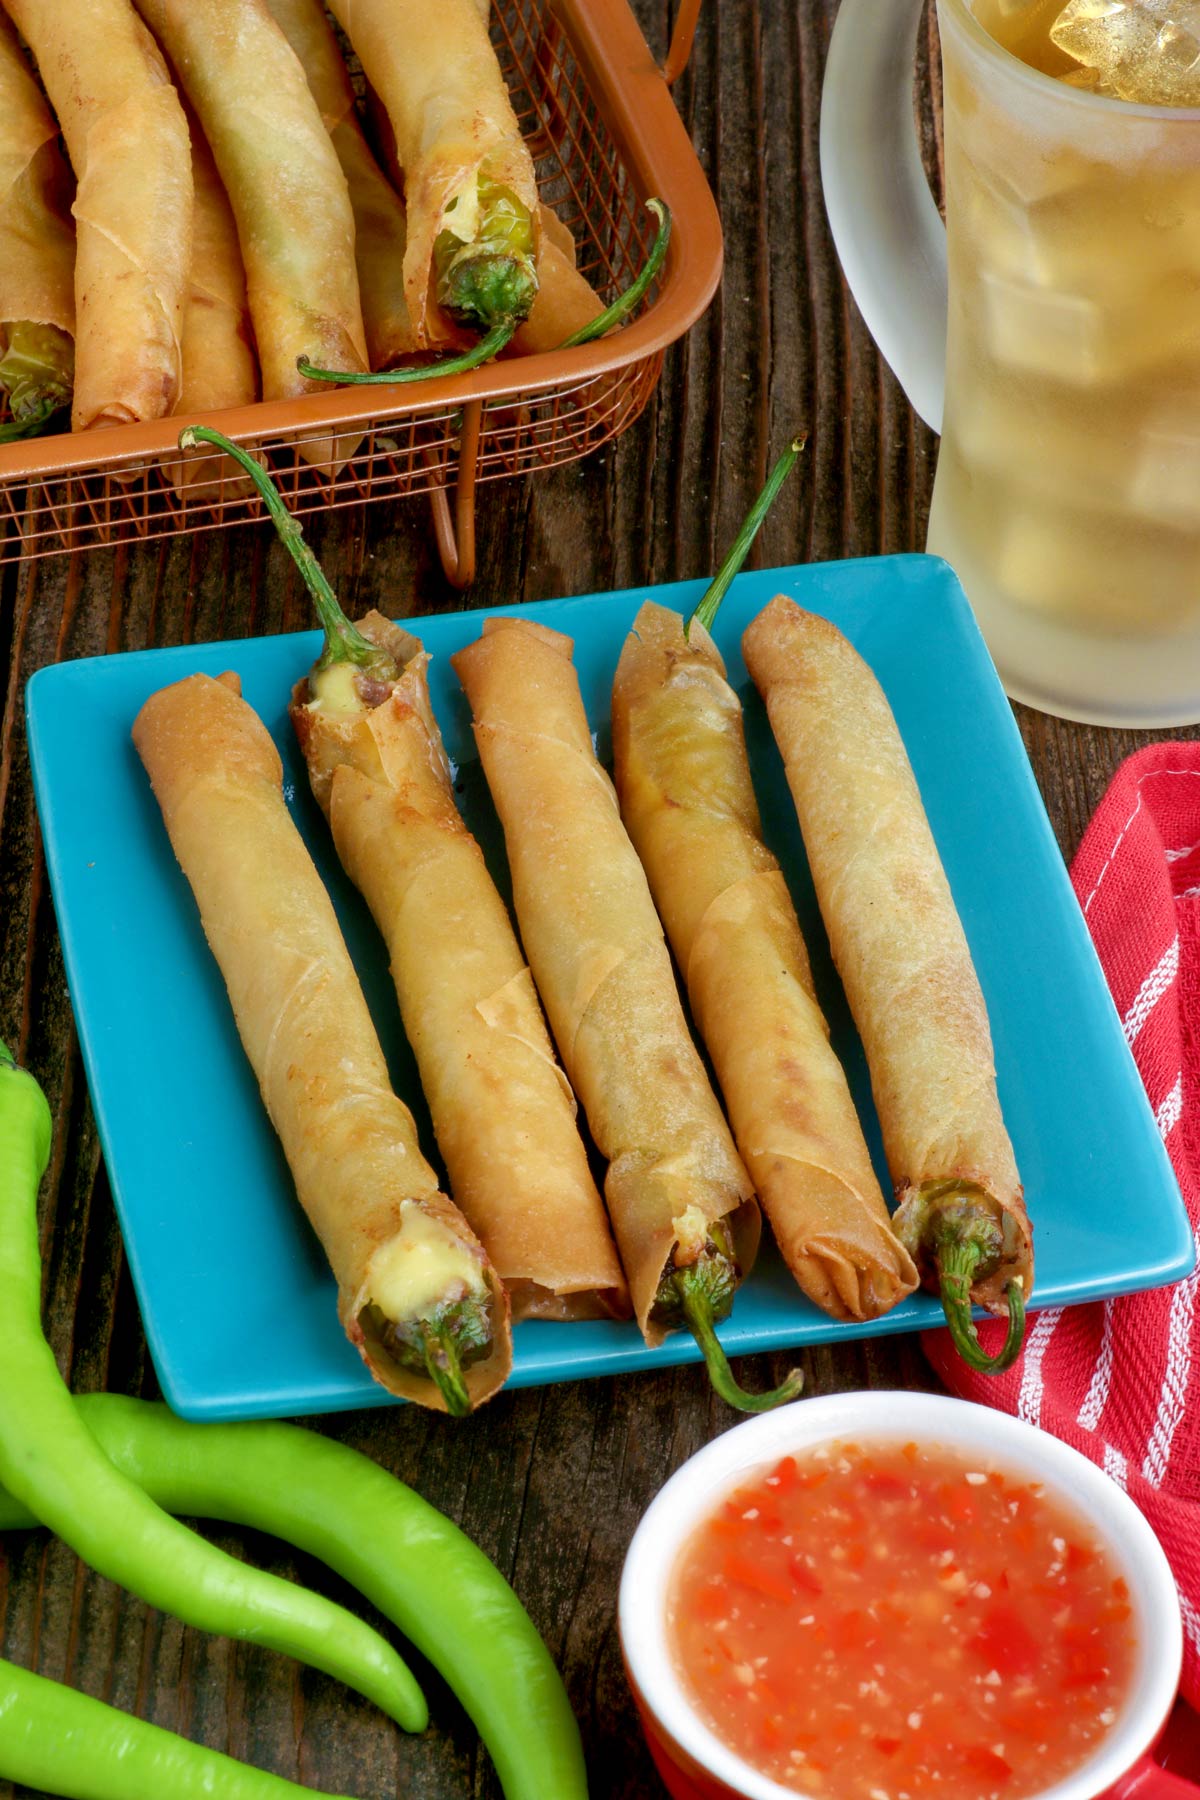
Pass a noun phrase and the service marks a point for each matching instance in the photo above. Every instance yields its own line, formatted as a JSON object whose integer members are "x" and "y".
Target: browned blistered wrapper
{"x": 37, "y": 239}
{"x": 380, "y": 233}
{"x": 688, "y": 803}
{"x": 285, "y": 186}
{"x": 502, "y": 1109}
{"x": 219, "y": 364}
{"x": 350, "y": 1143}
{"x": 128, "y": 143}
{"x": 598, "y": 956}
{"x": 434, "y": 69}
{"x": 896, "y": 937}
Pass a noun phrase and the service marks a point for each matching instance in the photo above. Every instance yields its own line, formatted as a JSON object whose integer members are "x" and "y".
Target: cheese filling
{"x": 424, "y": 1266}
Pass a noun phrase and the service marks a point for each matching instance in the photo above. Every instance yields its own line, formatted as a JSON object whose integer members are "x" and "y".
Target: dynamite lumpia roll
{"x": 502, "y": 1110}
{"x": 284, "y": 182}
{"x": 688, "y": 803}
{"x": 380, "y": 232}
{"x": 219, "y": 365}
{"x": 416, "y": 1293}
{"x": 37, "y": 251}
{"x": 469, "y": 187}
{"x": 678, "y": 1194}
{"x": 128, "y": 143}
{"x": 905, "y": 965}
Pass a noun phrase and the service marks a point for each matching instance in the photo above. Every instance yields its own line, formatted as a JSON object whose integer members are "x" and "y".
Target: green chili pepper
{"x": 50, "y": 1461}
{"x": 499, "y": 333}
{"x": 953, "y": 1223}
{"x": 63, "y": 1742}
{"x": 37, "y": 374}
{"x": 415, "y": 1566}
{"x": 699, "y": 1295}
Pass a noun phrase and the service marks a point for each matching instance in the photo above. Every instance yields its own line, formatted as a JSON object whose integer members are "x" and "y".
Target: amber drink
{"x": 1068, "y": 484}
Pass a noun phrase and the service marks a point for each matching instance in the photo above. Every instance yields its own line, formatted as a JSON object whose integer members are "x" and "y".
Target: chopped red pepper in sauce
{"x": 892, "y": 1622}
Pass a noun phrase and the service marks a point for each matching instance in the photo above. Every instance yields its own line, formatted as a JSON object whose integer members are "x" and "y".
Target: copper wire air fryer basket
{"x": 605, "y": 136}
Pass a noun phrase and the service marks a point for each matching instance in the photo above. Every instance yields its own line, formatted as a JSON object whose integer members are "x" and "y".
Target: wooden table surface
{"x": 550, "y": 1482}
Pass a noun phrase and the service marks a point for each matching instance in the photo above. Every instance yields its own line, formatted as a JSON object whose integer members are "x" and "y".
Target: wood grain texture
{"x": 550, "y": 1482}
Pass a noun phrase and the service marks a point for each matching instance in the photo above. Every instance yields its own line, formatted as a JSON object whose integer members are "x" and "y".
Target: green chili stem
{"x": 482, "y": 352}
{"x": 706, "y": 608}
{"x": 30, "y": 425}
{"x": 445, "y": 1369}
{"x": 696, "y": 1302}
{"x": 625, "y": 303}
{"x": 956, "y": 1266}
{"x": 343, "y": 641}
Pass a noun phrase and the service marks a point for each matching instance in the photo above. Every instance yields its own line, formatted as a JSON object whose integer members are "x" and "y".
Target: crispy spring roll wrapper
{"x": 896, "y": 937}
{"x": 128, "y": 143}
{"x": 219, "y": 365}
{"x": 688, "y": 803}
{"x": 502, "y": 1109}
{"x": 434, "y": 69}
{"x": 37, "y": 238}
{"x": 285, "y": 186}
{"x": 380, "y": 233}
{"x": 565, "y": 301}
{"x": 350, "y": 1143}
{"x": 601, "y": 965}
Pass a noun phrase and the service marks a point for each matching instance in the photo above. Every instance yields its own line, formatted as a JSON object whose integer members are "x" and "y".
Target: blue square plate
{"x": 238, "y": 1304}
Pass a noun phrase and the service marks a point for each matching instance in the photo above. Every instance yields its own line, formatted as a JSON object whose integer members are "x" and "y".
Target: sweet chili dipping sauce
{"x": 890, "y": 1622}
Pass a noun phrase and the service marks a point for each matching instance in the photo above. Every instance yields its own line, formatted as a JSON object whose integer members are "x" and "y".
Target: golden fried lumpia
{"x": 37, "y": 243}
{"x": 688, "y": 803}
{"x": 597, "y": 953}
{"x": 128, "y": 143}
{"x": 396, "y": 1245}
{"x": 219, "y": 365}
{"x": 565, "y": 301}
{"x": 468, "y": 177}
{"x": 897, "y": 942}
{"x": 502, "y": 1110}
{"x": 284, "y": 183}
{"x": 380, "y": 234}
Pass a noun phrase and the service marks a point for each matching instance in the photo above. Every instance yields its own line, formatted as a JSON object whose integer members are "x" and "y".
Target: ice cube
{"x": 1104, "y": 573}
{"x": 1166, "y": 473}
{"x": 1144, "y": 50}
{"x": 1033, "y": 328}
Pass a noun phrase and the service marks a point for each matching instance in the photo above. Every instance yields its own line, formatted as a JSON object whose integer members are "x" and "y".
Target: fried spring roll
{"x": 284, "y": 183}
{"x": 406, "y": 1262}
{"x": 469, "y": 186}
{"x": 219, "y": 366}
{"x": 899, "y": 949}
{"x": 380, "y": 233}
{"x": 597, "y": 953}
{"x": 565, "y": 301}
{"x": 688, "y": 803}
{"x": 502, "y": 1110}
{"x": 37, "y": 246}
{"x": 128, "y": 143}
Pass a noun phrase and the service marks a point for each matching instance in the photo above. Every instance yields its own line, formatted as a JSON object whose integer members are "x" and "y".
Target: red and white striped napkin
{"x": 1120, "y": 1380}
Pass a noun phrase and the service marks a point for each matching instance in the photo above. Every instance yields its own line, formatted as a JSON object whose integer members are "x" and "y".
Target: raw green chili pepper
{"x": 705, "y": 608}
{"x": 51, "y": 1462}
{"x": 66, "y": 1743}
{"x": 415, "y": 1566}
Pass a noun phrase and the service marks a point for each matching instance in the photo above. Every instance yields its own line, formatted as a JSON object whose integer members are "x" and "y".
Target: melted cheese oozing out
{"x": 423, "y": 1265}
{"x": 462, "y": 220}
{"x": 691, "y": 1232}
{"x": 333, "y": 690}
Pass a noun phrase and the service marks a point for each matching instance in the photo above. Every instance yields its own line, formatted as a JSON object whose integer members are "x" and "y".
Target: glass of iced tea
{"x": 1067, "y": 495}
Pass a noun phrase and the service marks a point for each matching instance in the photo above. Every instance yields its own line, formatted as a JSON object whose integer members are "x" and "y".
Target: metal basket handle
{"x": 456, "y": 535}
{"x": 682, "y": 39}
